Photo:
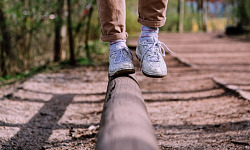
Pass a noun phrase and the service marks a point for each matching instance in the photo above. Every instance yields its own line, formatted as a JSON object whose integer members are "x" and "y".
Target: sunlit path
{"x": 197, "y": 106}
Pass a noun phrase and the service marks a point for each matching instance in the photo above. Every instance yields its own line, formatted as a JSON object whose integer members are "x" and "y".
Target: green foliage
{"x": 84, "y": 61}
{"x": 23, "y": 75}
{"x": 31, "y": 25}
{"x": 95, "y": 27}
{"x": 244, "y": 12}
{"x": 132, "y": 25}
{"x": 99, "y": 51}
{"x": 99, "y": 48}
{"x": 171, "y": 24}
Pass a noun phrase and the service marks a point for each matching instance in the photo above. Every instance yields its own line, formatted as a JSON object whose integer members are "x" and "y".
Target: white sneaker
{"x": 120, "y": 62}
{"x": 150, "y": 51}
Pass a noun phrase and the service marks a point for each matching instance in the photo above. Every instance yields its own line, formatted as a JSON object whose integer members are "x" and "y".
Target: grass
{"x": 52, "y": 67}
{"x": 9, "y": 79}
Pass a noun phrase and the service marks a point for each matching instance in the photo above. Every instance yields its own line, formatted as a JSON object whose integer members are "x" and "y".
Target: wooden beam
{"x": 125, "y": 124}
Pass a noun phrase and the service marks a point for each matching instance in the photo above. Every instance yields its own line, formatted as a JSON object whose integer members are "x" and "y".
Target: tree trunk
{"x": 29, "y": 34}
{"x": 204, "y": 14}
{"x": 58, "y": 27}
{"x": 87, "y": 33}
{"x": 70, "y": 35}
{"x": 5, "y": 43}
{"x": 181, "y": 15}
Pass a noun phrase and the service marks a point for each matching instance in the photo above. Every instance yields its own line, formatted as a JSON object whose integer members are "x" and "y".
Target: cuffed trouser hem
{"x": 117, "y": 36}
{"x": 152, "y": 23}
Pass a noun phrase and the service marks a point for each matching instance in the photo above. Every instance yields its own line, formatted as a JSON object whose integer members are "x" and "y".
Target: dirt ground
{"x": 203, "y": 103}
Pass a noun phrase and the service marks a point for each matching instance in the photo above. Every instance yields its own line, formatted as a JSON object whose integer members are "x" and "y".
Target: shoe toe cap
{"x": 155, "y": 69}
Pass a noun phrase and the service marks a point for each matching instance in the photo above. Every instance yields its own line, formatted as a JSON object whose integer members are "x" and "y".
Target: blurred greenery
{"x": 30, "y": 27}
{"x": 19, "y": 76}
{"x": 244, "y": 12}
{"x": 132, "y": 25}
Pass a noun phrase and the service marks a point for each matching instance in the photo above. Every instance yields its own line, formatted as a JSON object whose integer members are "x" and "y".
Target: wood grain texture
{"x": 125, "y": 124}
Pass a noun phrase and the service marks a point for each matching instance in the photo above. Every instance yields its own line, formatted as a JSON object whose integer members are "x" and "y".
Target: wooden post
{"x": 125, "y": 124}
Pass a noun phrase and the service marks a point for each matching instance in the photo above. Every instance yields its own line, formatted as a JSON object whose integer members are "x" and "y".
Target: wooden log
{"x": 125, "y": 124}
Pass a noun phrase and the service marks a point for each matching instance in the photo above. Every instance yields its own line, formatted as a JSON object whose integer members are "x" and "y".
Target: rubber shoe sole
{"x": 123, "y": 72}
{"x": 153, "y": 76}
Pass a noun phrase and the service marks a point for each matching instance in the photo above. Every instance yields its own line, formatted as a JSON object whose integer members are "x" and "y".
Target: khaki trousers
{"x": 112, "y": 14}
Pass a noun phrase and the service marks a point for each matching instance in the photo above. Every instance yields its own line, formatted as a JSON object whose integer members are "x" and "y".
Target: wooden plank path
{"x": 225, "y": 59}
{"x": 197, "y": 106}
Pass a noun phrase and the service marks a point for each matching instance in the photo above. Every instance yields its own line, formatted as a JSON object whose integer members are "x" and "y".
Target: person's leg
{"x": 152, "y": 14}
{"x": 112, "y": 14}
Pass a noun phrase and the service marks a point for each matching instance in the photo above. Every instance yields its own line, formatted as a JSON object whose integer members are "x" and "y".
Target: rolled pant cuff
{"x": 117, "y": 36}
{"x": 152, "y": 23}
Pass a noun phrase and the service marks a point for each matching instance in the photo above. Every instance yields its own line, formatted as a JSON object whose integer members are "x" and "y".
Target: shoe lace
{"x": 157, "y": 48}
{"x": 121, "y": 55}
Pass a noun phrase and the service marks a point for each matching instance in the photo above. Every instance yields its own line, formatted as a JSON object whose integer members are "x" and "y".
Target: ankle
{"x": 117, "y": 44}
{"x": 149, "y": 31}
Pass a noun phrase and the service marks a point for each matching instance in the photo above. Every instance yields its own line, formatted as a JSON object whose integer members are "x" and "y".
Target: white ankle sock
{"x": 149, "y": 32}
{"x": 118, "y": 44}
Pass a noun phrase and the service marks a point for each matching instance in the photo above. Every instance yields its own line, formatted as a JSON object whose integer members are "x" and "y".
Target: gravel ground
{"x": 203, "y": 103}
